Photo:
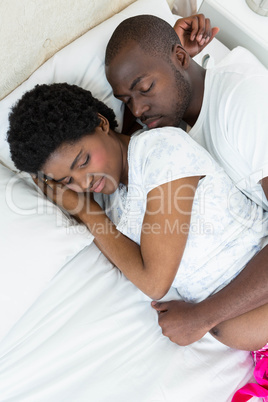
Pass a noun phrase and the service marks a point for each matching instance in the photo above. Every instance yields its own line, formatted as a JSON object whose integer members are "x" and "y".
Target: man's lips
{"x": 152, "y": 122}
{"x": 98, "y": 185}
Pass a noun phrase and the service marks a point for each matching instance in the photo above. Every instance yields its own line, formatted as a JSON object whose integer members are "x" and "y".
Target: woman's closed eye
{"x": 85, "y": 162}
{"x": 69, "y": 180}
{"x": 66, "y": 181}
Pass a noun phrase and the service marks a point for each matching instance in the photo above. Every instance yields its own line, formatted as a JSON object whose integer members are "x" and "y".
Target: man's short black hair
{"x": 154, "y": 35}
{"x": 48, "y": 116}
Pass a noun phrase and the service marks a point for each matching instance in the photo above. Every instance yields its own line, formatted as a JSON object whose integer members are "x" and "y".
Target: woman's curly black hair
{"x": 48, "y": 116}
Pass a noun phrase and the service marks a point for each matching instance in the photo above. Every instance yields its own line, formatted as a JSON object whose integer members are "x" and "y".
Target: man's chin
{"x": 165, "y": 122}
{"x": 170, "y": 123}
{"x": 156, "y": 123}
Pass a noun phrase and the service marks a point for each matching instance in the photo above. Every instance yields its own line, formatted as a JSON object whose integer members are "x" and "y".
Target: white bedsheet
{"x": 93, "y": 336}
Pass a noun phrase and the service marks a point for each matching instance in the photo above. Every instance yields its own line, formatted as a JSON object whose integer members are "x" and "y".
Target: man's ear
{"x": 180, "y": 56}
{"x": 104, "y": 123}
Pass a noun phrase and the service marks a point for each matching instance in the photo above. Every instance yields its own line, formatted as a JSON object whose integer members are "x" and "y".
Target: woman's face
{"x": 95, "y": 163}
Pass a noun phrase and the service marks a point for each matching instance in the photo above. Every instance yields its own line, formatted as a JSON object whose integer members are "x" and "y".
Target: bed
{"x": 73, "y": 328}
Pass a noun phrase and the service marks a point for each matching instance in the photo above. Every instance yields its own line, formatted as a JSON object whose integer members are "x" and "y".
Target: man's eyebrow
{"x": 135, "y": 82}
{"x": 132, "y": 86}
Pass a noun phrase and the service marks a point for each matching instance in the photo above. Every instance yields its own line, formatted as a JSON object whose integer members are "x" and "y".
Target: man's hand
{"x": 195, "y": 33}
{"x": 180, "y": 321}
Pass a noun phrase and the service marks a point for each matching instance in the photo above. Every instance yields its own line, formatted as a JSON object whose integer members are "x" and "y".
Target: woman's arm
{"x": 152, "y": 266}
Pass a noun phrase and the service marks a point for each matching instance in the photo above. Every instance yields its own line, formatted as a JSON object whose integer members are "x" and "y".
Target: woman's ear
{"x": 180, "y": 56}
{"x": 104, "y": 123}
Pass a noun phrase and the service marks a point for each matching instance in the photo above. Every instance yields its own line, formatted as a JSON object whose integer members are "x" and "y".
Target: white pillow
{"x": 81, "y": 63}
{"x": 37, "y": 239}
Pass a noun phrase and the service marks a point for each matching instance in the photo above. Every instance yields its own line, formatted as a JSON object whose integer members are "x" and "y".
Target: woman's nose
{"x": 83, "y": 182}
{"x": 86, "y": 181}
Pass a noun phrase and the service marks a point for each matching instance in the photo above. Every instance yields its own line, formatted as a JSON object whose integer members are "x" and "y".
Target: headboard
{"x": 33, "y": 31}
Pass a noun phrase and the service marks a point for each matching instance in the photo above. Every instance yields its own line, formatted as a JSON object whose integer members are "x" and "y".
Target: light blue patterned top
{"x": 226, "y": 227}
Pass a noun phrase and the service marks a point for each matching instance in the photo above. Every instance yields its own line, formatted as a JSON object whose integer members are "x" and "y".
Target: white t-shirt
{"x": 233, "y": 122}
{"x": 226, "y": 227}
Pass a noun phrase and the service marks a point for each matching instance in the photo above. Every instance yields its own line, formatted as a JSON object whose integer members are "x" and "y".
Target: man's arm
{"x": 264, "y": 184}
{"x": 185, "y": 323}
{"x": 195, "y": 33}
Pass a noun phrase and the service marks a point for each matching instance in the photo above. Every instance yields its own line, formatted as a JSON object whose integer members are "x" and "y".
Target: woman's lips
{"x": 98, "y": 185}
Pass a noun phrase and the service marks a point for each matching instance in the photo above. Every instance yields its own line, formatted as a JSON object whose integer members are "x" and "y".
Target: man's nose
{"x": 139, "y": 107}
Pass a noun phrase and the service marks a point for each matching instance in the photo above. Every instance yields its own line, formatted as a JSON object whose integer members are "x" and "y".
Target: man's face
{"x": 155, "y": 90}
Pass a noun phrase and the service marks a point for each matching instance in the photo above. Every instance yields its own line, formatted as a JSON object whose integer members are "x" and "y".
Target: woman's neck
{"x": 123, "y": 143}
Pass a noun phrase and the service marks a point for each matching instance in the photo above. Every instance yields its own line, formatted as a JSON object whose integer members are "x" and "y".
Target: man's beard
{"x": 184, "y": 93}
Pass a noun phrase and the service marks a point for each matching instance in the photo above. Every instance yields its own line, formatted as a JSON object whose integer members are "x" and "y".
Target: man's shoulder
{"x": 241, "y": 60}
{"x": 239, "y": 77}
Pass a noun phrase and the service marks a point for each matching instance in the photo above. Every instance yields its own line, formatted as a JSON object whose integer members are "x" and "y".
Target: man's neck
{"x": 198, "y": 74}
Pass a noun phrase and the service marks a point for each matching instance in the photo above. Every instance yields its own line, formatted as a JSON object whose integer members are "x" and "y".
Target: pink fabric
{"x": 261, "y": 376}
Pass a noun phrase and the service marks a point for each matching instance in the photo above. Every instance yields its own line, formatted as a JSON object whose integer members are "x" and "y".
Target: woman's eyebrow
{"x": 75, "y": 160}
{"x": 57, "y": 181}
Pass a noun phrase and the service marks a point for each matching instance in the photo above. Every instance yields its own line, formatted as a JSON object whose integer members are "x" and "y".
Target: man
{"x": 156, "y": 78}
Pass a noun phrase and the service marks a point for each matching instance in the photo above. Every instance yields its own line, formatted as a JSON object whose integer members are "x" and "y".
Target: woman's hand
{"x": 76, "y": 204}
{"x": 195, "y": 33}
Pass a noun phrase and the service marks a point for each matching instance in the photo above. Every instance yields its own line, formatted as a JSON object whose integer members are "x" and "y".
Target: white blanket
{"x": 93, "y": 336}
{"x": 89, "y": 334}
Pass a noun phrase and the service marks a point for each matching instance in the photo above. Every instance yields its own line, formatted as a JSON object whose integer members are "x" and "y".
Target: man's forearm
{"x": 246, "y": 292}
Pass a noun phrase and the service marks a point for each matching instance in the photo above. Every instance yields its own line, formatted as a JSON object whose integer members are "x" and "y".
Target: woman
{"x": 172, "y": 216}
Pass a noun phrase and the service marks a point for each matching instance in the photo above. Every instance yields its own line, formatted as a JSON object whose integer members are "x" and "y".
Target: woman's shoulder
{"x": 162, "y": 136}
{"x": 167, "y": 131}
{"x": 164, "y": 154}
{"x": 164, "y": 141}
